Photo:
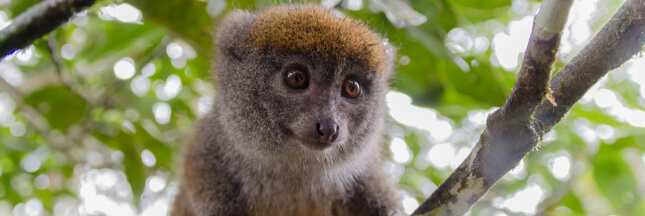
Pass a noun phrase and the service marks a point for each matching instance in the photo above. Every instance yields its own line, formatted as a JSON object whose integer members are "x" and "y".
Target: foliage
{"x": 77, "y": 125}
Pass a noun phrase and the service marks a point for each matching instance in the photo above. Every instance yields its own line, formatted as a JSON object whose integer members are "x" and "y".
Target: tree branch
{"x": 621, "y": 38}
{"x": 38, "y": 21}
{"x": 509, "y": 136}
{"x": 509, "y": 133}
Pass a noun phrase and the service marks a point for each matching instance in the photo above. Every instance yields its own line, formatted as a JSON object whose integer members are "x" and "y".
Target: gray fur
{"x": 245, "y": 157}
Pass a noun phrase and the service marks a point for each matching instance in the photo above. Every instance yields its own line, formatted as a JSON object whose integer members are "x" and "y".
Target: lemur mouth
{"x": 316, "y": 145}
{"x": 307, "y": 141}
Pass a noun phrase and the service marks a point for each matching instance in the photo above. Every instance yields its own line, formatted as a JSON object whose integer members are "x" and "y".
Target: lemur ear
{"x": 228, "y": 39}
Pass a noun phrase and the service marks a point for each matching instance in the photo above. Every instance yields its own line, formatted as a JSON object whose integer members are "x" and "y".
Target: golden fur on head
{"x": 310, "y": 28}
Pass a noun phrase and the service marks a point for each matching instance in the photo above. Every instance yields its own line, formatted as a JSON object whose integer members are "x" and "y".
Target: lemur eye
{"x": 351, "y": 89}
{"x": 296, "y": 78}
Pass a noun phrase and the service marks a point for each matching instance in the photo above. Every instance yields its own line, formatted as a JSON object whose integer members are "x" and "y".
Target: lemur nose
{"x": 328, "y": 130}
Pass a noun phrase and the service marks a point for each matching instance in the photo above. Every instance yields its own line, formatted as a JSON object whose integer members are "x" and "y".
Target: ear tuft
{"x": 231, "y": 33}
{"x": 390, "y": 59}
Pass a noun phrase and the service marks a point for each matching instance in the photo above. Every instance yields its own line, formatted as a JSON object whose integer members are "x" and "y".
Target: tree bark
{"x": 532, "y": 109}
{"x": 38, "y": 21}
{"x": 619, "y": 39}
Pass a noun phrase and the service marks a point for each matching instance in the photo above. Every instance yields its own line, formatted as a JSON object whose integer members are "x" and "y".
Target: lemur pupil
{"x": 295, "y": 78}
{"x": 351, "y": 89}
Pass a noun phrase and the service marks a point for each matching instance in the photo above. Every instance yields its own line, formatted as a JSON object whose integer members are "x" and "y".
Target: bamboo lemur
{"x": 297, "y": 124}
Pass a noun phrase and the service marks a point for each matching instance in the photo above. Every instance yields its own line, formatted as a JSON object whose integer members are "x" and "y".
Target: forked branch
{"x": 533, "y": 109}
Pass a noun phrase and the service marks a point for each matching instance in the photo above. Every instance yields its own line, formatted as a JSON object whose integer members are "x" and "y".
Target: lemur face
{"x": 305, "y": 83}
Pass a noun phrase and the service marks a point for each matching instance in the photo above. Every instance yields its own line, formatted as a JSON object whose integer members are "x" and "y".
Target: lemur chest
{"x": 285, "y": 199}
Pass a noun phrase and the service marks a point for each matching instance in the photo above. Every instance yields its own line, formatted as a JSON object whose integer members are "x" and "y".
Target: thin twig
{"x": 559, "y": 192}
{"x": 32, "y": 115}
{"x": 62, "y": 73}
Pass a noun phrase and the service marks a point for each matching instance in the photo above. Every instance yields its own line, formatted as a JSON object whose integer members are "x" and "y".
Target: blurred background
{"x": 93, "y": 116}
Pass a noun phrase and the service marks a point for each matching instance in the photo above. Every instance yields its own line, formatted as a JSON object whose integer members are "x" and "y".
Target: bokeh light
{"x": 124, "y": 68}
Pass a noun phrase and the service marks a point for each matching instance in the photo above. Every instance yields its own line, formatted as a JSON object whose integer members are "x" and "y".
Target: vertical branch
{"x": 532, "y": 82}
{"x": 621, "y": 38}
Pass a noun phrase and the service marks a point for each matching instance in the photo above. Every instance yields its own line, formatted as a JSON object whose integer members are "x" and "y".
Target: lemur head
{"x": 298, "y": 83}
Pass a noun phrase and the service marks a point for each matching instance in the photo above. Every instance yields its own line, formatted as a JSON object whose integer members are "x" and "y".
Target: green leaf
{"x": 17, "y": 7}
{"x": 479, "y": 15}
{"x": 482, "y": 81}
{"x": 482, "y": 4}
{"x": 639, "y": 208}
{"x": 122, "y": 39}
{"x": 134, "y": 168}
{"x": 59, "y": 105}
{"x": 613, "y": 174}
{"x": 418, "y": 78}
{"x": 163, "y": 152}
{"x": 573, "y": 203}
{"x": 185, "y": 18}
{"x": 440, "y": 17}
